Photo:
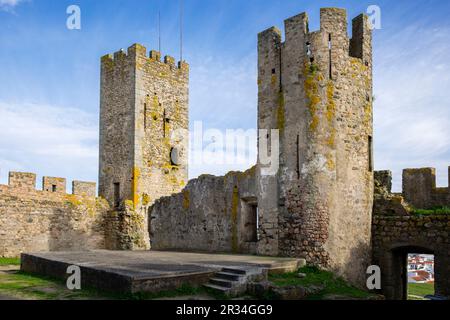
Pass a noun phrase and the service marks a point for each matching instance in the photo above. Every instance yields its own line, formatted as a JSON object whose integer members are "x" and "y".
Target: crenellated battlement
{"x": 418, "y": 187}
{"x": 333, "y": 34}
{"x": 139, "y": 52}
{"x": 23, "y": 182}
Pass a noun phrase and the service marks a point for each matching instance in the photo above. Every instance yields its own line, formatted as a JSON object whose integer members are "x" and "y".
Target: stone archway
{"x": 396, "y": 270}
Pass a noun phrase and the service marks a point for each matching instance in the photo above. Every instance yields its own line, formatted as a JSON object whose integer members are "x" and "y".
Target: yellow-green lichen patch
{"x": 330, "y": 114}
{"x": 134, "y": 187}
{"x": 145, "y": 199}
{"x": 367, "y": 113}
{"x": 281, "y": 117}
{"x": 312, "y": 78}
{"x": 73, "y": 200}
{"x": 186, "y": 199}
{"x": 331, "y": 165}
{"x": 273, "y": 80}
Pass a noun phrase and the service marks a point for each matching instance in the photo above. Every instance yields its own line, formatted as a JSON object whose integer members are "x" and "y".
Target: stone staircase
{"x": 233, "y": 281}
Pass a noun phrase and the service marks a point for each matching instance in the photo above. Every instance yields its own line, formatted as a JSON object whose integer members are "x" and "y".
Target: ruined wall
{"x": 396, "y": 231}
{"x": 316, "y": 89}
{"x": 212, "y": 214}
{"x": 420, "y": 191}
{"x": 32, "y": 220}
{"x": 143, "y": 135}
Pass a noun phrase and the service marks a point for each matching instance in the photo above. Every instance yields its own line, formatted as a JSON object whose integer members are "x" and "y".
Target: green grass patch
{"x": 433, "y": 211}
{"x": 26, "y": 286}
{"x": 416, "y": 290}
{"x": 331, "y": 284}
{"x": 9, "y": 261}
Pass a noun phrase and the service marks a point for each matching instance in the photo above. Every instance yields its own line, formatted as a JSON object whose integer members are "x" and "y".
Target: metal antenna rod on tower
{"x": 159, "y": 30}
{"x": 181, "y": 30}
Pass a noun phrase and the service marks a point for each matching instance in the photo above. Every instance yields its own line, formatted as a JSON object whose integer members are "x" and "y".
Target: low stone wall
{"x": 35, "y": 221}
{"x": 212, "y": 214}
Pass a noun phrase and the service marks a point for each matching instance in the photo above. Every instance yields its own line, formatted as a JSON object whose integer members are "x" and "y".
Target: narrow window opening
{"x": 308, "y": 49}
{"x": 370, "y": 146}
{"x": 145, "y": 116}
{"x": 116, "y": 195}
{"x": 164, "y": 123}
{"x": 251, "y": 220}
{"x": 329, "y": 57}
{"x": 298, "y": 157}
{"x": 274, "y": 71}
{"x": 53, "y": 188}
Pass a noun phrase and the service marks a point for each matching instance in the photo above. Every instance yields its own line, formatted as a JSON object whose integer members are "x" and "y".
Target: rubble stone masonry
{"x": 397, "y": 231}
{"x": 50, "y": 220}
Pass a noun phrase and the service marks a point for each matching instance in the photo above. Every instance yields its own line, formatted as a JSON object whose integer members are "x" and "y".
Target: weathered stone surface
{"x": 143, "y": 119}
{"x": 212, "y": 214}
{"x": 32, "y": 220}
{"x": 420, "y": 191}
{"x": 289, "y": 292}
{"x": 397, "y": 232}
{"x": 143, "y": 271}
{"x": 318, "y": 204}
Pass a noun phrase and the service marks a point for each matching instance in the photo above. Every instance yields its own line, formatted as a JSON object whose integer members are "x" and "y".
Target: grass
{"x": 418, "y": 291}
{"x": 433, "y": 211}
{"x": 25, "y": 286}
{"x": 331, "y": 284}
{"x": 9, "y": 261}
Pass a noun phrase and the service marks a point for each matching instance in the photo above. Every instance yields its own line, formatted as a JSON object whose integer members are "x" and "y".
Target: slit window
{"x": 54, "y": 188}
{"x": 145, "y": 116}
{"x": 370, "y": 150}
{"x": 116, "y": 195}
{"x": 329, "y": 57}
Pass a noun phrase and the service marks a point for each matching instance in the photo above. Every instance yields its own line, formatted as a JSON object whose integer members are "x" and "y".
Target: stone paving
{"x": 146, "y": 271}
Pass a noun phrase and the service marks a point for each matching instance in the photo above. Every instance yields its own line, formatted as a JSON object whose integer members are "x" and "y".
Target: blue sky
{"x": 49, "y": 75}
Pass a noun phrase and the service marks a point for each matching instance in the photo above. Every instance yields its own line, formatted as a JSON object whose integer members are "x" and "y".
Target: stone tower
{"x": 143, "y": 127}
{"x": 316, "y": 89}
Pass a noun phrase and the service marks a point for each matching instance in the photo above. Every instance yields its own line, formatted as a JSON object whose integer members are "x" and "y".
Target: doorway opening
{"x": 412, "y": 273}
{"x": 420, "y": 271}
{"x": 250, "y": 220}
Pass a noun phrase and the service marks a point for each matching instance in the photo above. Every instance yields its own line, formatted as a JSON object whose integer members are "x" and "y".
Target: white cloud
{"x": 8, "y": 5}
{"x": 223, "y": 96}
{"x": 412, "y": 107}
{"x": 224, "y": 91}
{"x": 48, "y": 140}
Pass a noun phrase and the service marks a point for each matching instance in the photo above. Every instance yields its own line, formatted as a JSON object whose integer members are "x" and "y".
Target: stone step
{"x": 216, "y": 287}
{"x": 227, "y": 276}
{"x": 233, "y": 270}
{"x": 221, "y": 282}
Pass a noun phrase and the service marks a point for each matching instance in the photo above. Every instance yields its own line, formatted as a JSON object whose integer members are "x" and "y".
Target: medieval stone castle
{"x": 315, "y": 88}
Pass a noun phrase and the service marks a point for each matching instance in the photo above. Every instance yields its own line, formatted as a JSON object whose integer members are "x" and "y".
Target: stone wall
{"x": 420, "y": 191}
{"x": 32, "y": 220}
{"x": 396, "y": 232}
{"x": 212, "y": 214}
{"x": 316, "y": 89}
